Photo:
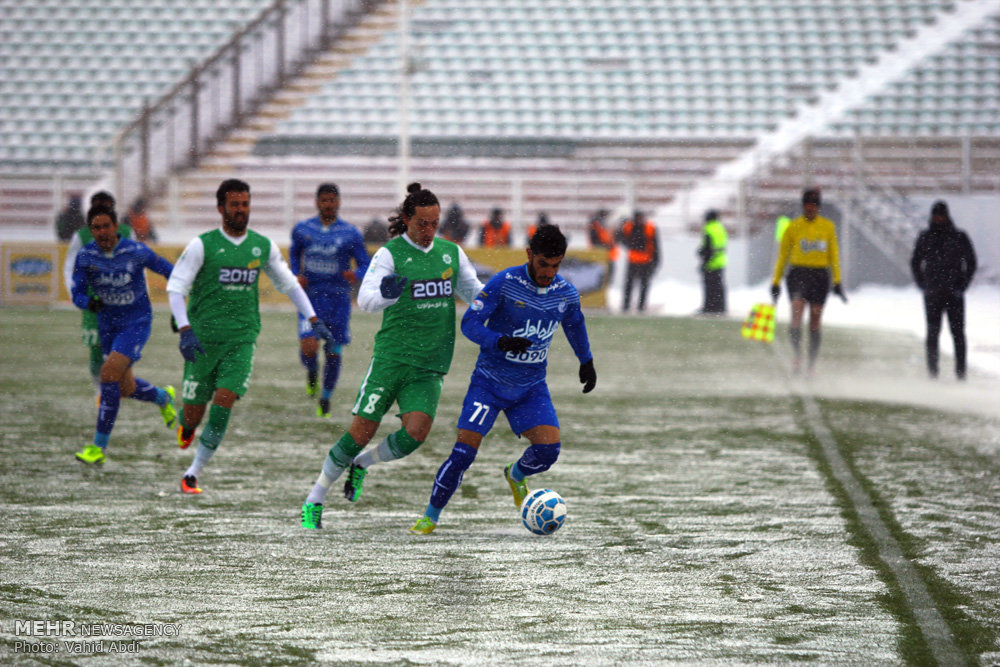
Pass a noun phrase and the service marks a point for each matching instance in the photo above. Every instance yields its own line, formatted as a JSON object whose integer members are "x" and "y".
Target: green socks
{"x": 218, "y": 421}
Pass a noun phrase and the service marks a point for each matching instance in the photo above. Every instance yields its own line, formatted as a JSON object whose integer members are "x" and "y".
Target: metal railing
{"x": 882, "y": 214}
{"x": 281, "y": 199}
{"x": 886, "y": 217}
{"x": 177, "y": 130}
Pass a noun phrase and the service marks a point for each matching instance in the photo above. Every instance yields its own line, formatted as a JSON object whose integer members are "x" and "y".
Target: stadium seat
{"x": 100, "y": 61}
{"x": 614, "y": 66}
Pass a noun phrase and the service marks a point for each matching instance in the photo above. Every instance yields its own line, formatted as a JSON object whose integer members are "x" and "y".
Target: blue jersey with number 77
{"x": 511, "y": 304}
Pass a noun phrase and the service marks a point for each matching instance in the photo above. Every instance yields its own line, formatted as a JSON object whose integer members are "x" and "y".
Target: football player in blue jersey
{"x": 88, "y": 320}
{"x": 109, "y": 279}
{"x": 513, "y": 320}
{"x": 321, "y": 253}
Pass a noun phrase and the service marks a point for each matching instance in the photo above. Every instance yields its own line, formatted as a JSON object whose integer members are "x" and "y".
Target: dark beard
{"x": 238, "y": 226}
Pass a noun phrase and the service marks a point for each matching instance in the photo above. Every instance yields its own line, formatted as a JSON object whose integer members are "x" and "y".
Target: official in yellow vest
{"x": 713, "y": 264}
{"x": 809, "y": 247}
{"x": 780, "y": 225}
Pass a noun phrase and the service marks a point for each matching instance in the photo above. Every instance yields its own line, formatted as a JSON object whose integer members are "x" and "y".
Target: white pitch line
{"x": 932, "y": 625}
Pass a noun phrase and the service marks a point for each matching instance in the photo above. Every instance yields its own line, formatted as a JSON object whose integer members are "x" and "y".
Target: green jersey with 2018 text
{"x": 223, "y": 304}
{"x": 419, "y": 329}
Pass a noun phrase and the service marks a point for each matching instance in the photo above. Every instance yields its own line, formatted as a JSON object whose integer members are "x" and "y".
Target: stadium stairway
{"x": 679, "y": 179}
{"x": 881, "y": 213}
{"x": 187, "y": 204}
{"x": 598, "y": 174}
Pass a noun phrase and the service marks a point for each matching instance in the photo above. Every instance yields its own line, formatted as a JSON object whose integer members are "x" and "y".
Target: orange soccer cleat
{"x": 183, "y": 442}
{"x": 189, "y": 484}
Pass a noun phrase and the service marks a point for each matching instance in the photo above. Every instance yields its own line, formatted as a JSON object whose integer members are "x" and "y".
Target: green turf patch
{"x": 972, "y": 636}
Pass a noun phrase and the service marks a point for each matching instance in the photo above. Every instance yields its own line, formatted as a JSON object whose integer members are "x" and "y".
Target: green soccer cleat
{"x": 519, "y": 489}
{"x": 323, "y": 409}
{"x": 91, "y": 454}
{"x": 423, "y": 526}
{"x": 167, "y": 410}
{"x": 312, "y": 385}
{"x": 312, "y": 516}
{"x": 355, "y": 478}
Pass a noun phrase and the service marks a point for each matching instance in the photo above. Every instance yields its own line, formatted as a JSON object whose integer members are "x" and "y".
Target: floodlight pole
{"x": 404, "y": 97}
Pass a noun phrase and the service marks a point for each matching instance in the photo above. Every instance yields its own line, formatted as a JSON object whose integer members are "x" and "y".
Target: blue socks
{"x": 111, "y": 398}
{"x": 536, "y": 459}
{"x": 144, "y": 391}
{"x": 449, "y": 478}
{"x": 331, "y": 371}
{"x": 107, "y": 414}
{"x": 311, "y": 363}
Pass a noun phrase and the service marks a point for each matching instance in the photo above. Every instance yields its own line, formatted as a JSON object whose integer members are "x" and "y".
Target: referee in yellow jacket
{"x": 809, "y": 248}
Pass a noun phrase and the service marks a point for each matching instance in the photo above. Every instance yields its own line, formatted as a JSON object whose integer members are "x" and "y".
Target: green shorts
{"x": 413, "y": 389}
{"x": 223, "y": 366}
{"x": 88, "y": 329}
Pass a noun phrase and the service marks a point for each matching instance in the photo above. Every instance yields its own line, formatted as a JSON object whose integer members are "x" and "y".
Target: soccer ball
{"x": 543, "y": 512}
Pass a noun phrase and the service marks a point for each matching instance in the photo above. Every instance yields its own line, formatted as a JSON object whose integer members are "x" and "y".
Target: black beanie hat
{"x": 940, "y": 208}
{"x": 327, "y": 189}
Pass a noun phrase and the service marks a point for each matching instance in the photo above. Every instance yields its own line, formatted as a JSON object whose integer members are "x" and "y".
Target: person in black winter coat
{"x": 71, "y": 218}
{"x": 943, "y": 264}
{"x": 454, "y": 228}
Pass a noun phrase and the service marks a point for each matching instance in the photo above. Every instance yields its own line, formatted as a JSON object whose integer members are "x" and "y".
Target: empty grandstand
{"x": 563, "y": 107}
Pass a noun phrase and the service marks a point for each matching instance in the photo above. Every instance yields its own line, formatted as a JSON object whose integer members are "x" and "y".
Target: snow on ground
{"x": 879, "y": 308}
{"x": 870, "y": 306}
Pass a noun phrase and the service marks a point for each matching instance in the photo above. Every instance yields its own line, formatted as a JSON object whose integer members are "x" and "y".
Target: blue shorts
{"x": 335, "y": 313}
{"x": 525, "y": 407}
{"x": 126, "y": 338}
{"x": 306, "y": 331}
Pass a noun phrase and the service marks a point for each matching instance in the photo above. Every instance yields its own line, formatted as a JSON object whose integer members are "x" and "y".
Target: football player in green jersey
{"x": 213, "y": 294}
{"x": 413, "y": 279}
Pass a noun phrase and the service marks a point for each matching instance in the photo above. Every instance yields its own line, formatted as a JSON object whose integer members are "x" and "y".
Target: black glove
{"x": 173, "y": 324}
{"x": 95, "y": 304}
{"x": 323, "y": 332}
{"x": 514, "y": 344}
{"x": 839, "y": 291}
{"x": 588, "y": 376}
{"x": 190, "y": 347}
{"x": 775, "y": 293}
{"x": 392, "y": 286}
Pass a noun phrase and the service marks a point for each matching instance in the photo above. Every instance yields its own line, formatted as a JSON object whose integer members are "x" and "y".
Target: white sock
{"x": 328, "y": 476}
{"x": 201, "y": 458}
{"x": 379, "y": 454}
